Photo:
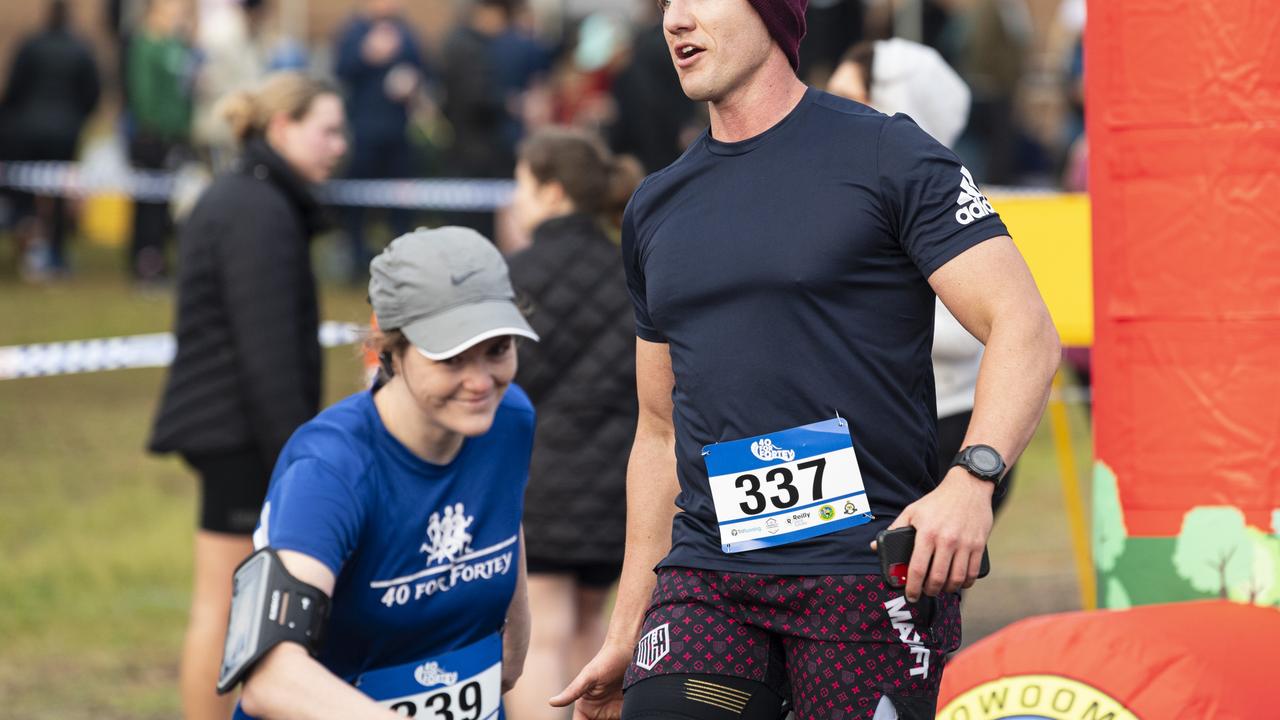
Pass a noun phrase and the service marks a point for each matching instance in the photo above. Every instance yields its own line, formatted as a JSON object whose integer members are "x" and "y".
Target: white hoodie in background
{"x": 910, "y": 78}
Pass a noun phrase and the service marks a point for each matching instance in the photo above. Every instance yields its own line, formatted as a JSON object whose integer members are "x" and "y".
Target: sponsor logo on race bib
{"x": 654, "y": 646}
{"x": 429, "y": 674}
{"x": 766, "y": 451}
{"x": 800, "y": 519}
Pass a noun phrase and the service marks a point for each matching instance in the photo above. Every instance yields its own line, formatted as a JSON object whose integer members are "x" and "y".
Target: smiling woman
{"x": 457, "y": 395}
{"x": 401, "y": 505}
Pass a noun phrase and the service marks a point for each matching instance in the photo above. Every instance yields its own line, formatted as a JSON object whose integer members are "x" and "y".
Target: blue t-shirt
{"x": 425, "y": 555}
{"x": 787, "y": 274}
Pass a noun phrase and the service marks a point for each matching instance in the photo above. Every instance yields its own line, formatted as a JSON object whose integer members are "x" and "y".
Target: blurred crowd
{"x": 455, "y": 101}
{"x": 574, "y": 101}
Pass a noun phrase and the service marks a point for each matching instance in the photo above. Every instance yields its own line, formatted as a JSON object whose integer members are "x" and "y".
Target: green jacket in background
{"x": 158, "y": 88}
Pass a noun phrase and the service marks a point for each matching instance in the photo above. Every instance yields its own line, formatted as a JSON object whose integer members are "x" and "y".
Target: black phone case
{"x": 895, "y": 546}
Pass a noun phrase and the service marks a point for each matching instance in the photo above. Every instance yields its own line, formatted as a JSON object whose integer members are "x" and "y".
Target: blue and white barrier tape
{"x": 457, "y": 194}
{"x": 70, "y": 180}
{"x": 122, "y": 353}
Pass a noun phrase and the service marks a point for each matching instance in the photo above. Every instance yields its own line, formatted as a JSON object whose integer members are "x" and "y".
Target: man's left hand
{"x": 952, "y": 525}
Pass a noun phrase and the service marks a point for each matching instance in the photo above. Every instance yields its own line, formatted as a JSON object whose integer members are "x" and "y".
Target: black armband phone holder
{"x": 268, "y": 606}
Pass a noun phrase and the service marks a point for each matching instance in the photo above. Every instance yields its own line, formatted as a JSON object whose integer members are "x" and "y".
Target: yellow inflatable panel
{"x": 1053, "y": 232}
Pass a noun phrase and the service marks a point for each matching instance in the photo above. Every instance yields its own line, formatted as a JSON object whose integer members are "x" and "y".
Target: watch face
{"x": 984, "y": 459}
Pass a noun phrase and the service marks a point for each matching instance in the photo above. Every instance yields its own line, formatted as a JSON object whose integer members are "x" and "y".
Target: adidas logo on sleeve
{"x": 973, "y": 206}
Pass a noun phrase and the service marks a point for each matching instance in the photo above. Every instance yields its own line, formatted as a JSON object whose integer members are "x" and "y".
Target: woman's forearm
{"x": 288, "y": 684}
{"x": 515, "y": 636}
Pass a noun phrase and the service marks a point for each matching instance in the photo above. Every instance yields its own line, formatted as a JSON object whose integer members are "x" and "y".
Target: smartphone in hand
{"x": 895, "y": 547}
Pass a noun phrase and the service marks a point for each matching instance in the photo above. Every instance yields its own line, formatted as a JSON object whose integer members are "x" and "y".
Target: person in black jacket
{"x": 581, "y": 379}
{"x": 247, "y": 370}
{"x": 52, "y": 90}
{"x": 477, "y": 101}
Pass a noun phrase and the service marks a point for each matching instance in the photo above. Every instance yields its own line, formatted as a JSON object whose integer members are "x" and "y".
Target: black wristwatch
{"x": 982, "y": 461}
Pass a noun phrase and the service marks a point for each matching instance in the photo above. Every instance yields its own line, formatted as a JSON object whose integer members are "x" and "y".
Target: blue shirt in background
{"x": 375, "y": 119}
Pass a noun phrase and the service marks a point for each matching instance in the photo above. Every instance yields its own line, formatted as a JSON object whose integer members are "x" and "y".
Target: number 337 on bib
{"x": 786, "y": 486}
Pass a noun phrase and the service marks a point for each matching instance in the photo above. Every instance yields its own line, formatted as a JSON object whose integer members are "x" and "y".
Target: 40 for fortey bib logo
{"x": 1035, "y": 697}
{"x": 765, "y": 450}
{"x": 431, "y": 673}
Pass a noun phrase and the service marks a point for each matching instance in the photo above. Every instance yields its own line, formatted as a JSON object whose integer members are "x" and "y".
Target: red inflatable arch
{"x": 1196, "y": 660}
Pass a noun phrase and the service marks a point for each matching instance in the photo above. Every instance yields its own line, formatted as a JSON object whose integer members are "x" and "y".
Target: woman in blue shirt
{"x": 403, "y": 504}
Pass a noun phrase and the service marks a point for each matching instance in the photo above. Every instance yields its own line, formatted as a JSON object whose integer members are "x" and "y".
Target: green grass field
{"x": 97, "y": 535}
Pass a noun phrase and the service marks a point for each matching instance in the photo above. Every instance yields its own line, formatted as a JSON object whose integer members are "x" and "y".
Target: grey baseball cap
{"x": 446, "y": 289}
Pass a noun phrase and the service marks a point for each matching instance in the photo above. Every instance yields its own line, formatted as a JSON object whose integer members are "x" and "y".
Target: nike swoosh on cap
{"x": 458, "y": 279}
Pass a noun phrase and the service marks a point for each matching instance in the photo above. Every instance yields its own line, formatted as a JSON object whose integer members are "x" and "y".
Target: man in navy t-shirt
{"x": 783, "y": 273}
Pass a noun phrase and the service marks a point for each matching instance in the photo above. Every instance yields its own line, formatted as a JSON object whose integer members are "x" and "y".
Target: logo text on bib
{"x": 429, "y": 674}
{"x": 766, "y": 451}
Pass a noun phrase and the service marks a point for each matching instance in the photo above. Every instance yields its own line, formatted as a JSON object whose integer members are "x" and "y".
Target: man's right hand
{"x": 598, "y": 688}
{"x": 651, "y": 503}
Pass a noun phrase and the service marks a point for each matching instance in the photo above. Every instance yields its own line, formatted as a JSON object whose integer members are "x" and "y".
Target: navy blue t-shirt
{"x": 425, "y": 555}
{"x": 787, "y": 274}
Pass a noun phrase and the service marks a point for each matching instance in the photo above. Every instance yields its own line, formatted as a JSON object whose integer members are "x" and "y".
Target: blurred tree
{"x": 1260, "y": 588}
{"x": 1117, "y": 597}
{"x": 1108, "y": 520}
{"x": 1213, "y": 551}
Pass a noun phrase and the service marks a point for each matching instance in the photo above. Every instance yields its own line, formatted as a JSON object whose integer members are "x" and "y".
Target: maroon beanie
{"x": 785, "y": 20}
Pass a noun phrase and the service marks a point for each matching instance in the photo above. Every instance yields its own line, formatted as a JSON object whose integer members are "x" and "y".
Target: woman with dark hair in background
{"x": 247, "y": 370}
{"x": 581, "y": 378}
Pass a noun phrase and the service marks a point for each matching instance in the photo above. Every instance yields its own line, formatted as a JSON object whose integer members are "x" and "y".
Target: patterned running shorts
{"x": 833, "y": 645}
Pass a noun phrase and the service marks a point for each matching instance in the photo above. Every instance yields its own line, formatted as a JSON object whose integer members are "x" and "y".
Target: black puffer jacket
{"x": 247, "y": 372}
{"x": 52, "y": 90}
{"x": 581, "y": 378}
